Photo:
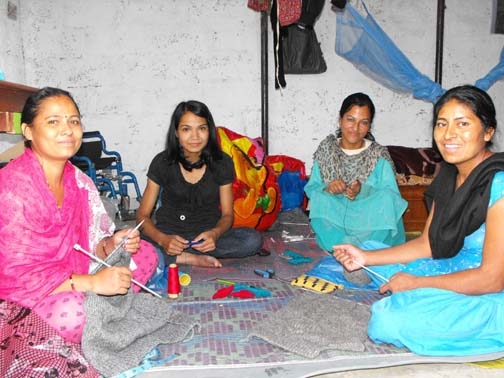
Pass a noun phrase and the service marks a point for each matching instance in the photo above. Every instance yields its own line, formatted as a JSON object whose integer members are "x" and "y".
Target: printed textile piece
{"x": 310, "y": 324}
{"x": 255, "y": 189}
{"x": 289, "y": 11}
{"x": 29, "y": 347}
{"x": 316, "y": 284}
{"x": 259, "y": 5}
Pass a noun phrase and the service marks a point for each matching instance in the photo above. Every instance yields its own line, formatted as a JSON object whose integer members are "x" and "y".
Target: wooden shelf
{"x": 416, "y": 214}
{"x": 13, "y": 96}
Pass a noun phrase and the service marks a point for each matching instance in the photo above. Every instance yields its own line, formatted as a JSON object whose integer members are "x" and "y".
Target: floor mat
{"x": 276, "y": 242}
{"x": 222, "y": 349}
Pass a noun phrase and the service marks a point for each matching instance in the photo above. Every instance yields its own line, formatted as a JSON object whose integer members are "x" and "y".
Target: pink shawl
{"x": 37, "y": 237}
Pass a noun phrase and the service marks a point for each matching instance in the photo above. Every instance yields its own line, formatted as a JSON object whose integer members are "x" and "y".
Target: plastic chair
{"x": 104, "y": 167}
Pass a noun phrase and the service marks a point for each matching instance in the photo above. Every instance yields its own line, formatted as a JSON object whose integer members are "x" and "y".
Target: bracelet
{"x": 71, "y": 282}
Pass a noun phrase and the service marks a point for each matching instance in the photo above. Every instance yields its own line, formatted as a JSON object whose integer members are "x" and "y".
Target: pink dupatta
{"x": 37, "y": 237}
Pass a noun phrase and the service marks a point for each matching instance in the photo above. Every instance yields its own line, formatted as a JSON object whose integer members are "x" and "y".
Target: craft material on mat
{"x": 173, "y": 286}
{"x": 221, "y": 349}
{"x": 77, "y": 247}
{"x": 315, "y": 284}
{"x": 371, "y": 271}
{"x": 311, "y": 323}
{"x": 242, "y": 270}
{"x": 120, "y": 330}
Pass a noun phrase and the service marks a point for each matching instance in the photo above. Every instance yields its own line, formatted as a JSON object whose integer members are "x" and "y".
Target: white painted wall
{"x": 129, "y": 62}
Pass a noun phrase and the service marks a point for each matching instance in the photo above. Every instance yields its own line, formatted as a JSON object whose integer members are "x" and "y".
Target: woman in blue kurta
{"x": 447, "y": 286}
{"x": 352, "y": 188}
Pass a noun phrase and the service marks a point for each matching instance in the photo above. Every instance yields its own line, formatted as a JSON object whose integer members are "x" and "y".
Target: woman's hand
{"x": 400, "y": 282}
{"x": 173, "y": 245}
{"x": 346, "y": 254}
{"x": 352, "y": 190}
{"x": 337, "y": 186}
{"x": 209, "y": 238}
{"x": 131, "y": 244}
{"x": 111, "y": 281}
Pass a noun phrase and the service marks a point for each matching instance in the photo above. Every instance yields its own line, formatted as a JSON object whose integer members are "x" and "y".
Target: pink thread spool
{"x": 173, "y": 281}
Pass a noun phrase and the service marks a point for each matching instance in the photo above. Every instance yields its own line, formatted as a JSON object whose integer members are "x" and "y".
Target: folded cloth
{"x": 311, "y": 323}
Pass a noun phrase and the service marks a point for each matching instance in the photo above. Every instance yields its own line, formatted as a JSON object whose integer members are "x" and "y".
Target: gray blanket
{"x": 120, "y": 330}
{"x": 311, "y": 323}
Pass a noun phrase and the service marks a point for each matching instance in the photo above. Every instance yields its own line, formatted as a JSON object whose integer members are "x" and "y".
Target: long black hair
{"x": 477, "y": 99}
{"x": 174, "y": 152}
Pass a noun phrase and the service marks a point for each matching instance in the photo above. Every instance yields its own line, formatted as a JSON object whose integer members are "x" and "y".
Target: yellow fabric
{"x": 252, "y": 197}
{"x": 316, "y": 284}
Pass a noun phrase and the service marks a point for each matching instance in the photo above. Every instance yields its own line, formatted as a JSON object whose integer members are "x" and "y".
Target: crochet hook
{"x": 96, "y": 258}
{"x": 371, "y": 271}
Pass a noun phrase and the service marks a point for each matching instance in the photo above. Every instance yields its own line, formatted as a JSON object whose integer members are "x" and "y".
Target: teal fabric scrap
{"x": 296, "y": 258}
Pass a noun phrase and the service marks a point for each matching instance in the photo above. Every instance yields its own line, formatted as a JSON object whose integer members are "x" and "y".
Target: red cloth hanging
{"x": 259, "y": 5}
{"x": 289, "y": 11}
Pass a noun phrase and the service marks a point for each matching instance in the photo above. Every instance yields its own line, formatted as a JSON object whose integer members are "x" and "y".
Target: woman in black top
{"x": 194, "y": 179}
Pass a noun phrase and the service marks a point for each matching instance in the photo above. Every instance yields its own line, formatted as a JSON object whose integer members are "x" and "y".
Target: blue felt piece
{"x": 296, "y": 258}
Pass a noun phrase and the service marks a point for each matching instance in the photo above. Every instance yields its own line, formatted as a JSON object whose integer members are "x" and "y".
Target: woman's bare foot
{"x": 198, "y": 260}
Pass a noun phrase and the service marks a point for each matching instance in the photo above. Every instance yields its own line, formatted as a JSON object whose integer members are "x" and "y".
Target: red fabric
{"x": 223, "y": 293}
{"x": 289, "y": 163}
{"x": 259, "y": 5}
{"x": 243, "y": 294}
{"x": 228, "y": 291}
{"x": 289, "y": 11}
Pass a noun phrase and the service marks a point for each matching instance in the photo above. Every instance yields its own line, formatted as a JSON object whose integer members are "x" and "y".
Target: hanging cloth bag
{"x": 301, "y": 50}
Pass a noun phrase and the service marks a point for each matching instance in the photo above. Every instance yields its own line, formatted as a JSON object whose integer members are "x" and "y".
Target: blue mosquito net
{"x": 361, "y": 41}
{"x": 495, "y": 74}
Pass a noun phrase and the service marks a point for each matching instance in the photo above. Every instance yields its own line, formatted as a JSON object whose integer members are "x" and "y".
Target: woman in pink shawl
{"x": 47, "y": 206}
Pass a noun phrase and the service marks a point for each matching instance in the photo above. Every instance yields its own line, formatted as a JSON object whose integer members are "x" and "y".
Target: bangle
{"x": 71, "y": 282}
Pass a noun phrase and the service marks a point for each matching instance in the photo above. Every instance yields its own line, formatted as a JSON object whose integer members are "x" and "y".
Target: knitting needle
{"x": 123, "y": 240}
{"x": 96, "y": 258}
{"x": 371, "y": 271}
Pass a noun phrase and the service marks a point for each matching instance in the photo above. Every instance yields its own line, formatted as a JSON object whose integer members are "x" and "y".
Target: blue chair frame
{"x": 104, "y": 167}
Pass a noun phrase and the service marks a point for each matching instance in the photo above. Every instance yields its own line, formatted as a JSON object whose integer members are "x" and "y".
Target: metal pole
{"x": 264, "y": 80}
{"x": 439, "y": 40}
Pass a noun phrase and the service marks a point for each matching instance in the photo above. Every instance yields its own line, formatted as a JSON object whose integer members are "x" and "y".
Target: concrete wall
{"x": 11, "y": 57}
{"x": 129, "y": 62}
